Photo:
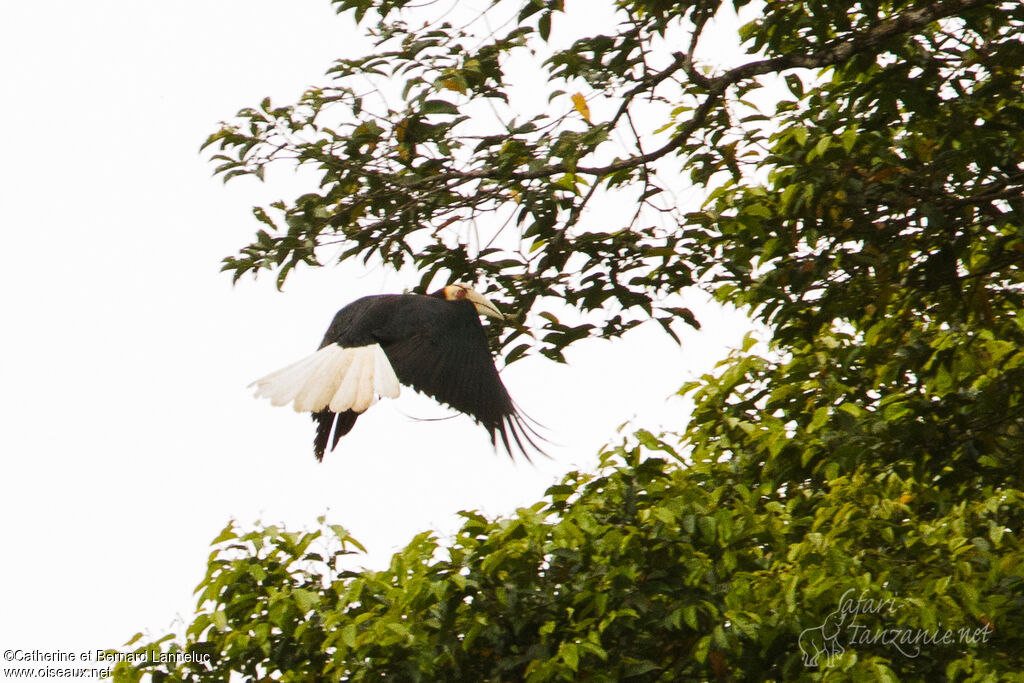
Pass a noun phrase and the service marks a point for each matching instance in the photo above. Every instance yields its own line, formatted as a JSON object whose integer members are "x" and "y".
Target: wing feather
{"x": 448, "y": 358}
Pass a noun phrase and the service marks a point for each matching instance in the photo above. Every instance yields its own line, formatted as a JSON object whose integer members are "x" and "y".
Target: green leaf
{"x": 439, "y": 107}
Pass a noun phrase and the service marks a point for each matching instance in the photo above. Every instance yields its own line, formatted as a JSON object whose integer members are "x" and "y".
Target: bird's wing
{"x": 446, "y": 356}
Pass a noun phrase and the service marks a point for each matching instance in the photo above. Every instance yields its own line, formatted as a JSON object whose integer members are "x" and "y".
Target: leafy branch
{"x": 399, "y": 185}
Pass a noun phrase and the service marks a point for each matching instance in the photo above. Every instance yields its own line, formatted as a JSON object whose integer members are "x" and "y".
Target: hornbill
{"x": 435, "y": 344}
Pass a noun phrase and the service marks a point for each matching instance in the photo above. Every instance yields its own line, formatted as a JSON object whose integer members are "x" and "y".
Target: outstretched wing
{"x": 441, "y": 349}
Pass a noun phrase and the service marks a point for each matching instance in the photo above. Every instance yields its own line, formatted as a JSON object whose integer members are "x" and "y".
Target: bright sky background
{"x": 127, "y": 433}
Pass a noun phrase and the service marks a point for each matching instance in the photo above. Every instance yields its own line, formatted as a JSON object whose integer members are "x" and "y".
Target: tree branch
{"x": 829, "y": 55}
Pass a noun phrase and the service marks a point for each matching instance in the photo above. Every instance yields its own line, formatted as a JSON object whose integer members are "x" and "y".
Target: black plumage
{"x": 435, "y": 344}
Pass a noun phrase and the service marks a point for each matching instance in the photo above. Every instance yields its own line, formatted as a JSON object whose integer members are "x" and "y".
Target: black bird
{"x": 435, "y": 344}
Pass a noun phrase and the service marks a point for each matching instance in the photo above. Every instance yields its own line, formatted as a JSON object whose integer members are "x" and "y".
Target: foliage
{"x": 645, "y": 571}
{"x": 872, "y": 218}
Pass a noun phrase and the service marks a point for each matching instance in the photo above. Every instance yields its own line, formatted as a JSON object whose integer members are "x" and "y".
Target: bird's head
{"x": 458, "y": 292}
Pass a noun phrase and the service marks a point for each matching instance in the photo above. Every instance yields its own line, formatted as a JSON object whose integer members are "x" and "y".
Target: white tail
{"x": 334, "y": 377}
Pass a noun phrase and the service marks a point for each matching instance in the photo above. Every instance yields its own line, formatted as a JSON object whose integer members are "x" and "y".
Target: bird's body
{"x": 434, "y": 344}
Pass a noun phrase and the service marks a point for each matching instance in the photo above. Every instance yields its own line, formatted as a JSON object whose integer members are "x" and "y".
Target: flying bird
{"x": 432, "y": 343}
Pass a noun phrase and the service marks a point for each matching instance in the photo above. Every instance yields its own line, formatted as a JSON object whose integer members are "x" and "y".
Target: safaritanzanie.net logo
{"x": 821, "y": 645}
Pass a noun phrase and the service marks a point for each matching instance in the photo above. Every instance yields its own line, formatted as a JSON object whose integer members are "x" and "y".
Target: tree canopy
{"x": 871, "y": 217}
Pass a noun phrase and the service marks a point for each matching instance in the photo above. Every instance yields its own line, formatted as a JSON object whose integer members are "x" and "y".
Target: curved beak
{"x": 484, "y": 305}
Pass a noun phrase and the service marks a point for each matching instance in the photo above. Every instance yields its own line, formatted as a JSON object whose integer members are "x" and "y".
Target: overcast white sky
{"x": 128, "y": 436}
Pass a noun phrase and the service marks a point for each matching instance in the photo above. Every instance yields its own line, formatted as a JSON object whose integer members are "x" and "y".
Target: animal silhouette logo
{"x": 820, "y": 644}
